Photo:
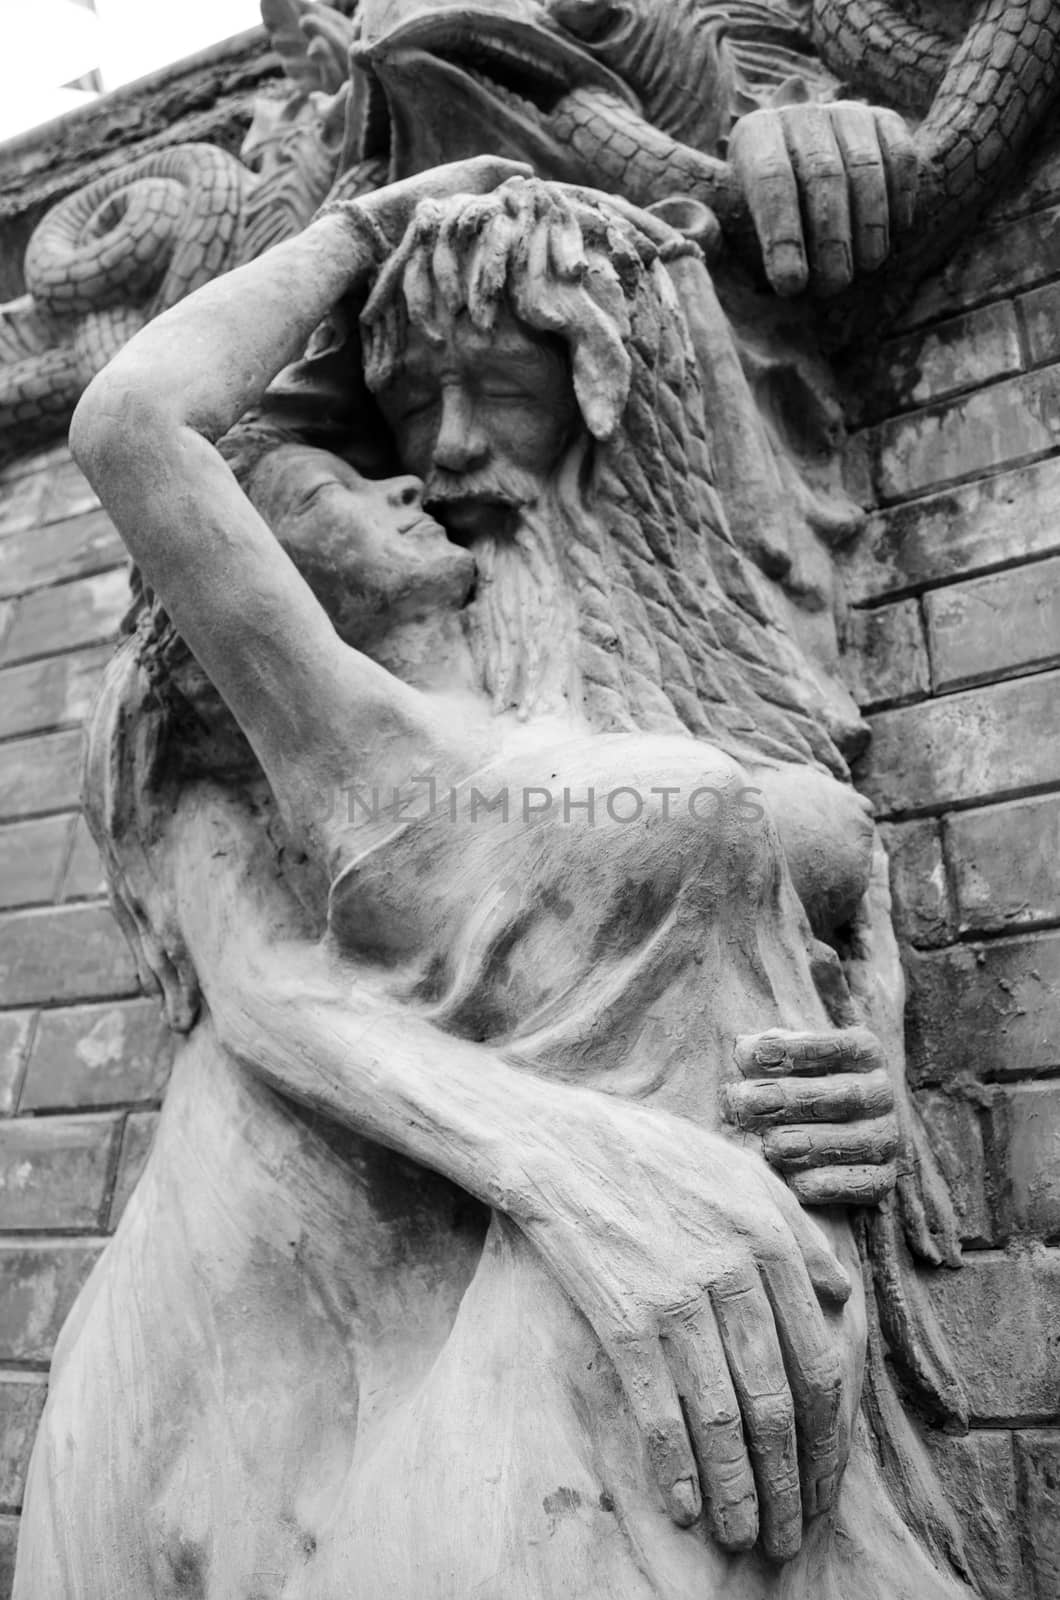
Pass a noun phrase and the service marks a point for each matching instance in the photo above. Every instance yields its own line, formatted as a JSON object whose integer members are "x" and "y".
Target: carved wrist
{"x": 372, "y": 243}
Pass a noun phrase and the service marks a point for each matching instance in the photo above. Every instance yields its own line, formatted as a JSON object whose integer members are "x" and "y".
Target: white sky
{"x": 46, "y": 43}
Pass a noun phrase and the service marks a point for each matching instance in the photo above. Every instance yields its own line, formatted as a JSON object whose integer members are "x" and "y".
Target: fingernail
{"x": 684, "y": 1502}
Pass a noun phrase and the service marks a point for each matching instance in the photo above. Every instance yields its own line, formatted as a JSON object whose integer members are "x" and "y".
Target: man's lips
{"x": 466, "y": 517}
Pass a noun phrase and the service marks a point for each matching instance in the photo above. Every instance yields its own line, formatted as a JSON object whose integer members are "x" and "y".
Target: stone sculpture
{"x": 315, "y": 1358}
{"x": 642, "y": 99}
{"x": 502, "y": 871}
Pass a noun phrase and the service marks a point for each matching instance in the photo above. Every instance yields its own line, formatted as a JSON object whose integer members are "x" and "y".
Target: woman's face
{"x": 366, "y": 547}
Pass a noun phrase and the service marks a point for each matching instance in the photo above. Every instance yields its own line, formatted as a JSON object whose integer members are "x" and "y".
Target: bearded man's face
{"x": 483, "y": 418}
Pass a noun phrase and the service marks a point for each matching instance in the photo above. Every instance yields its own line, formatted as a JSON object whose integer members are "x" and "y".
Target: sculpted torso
{"x": 448, "y": 1274}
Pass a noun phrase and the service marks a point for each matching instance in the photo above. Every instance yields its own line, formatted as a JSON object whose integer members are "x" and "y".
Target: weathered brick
{"x": 984, "y": 1011}
{"x": 22, "y": 503}
{"x": 885, "y": 657}
{"x": 979, "y": 1474}
{"x": 923, "y": 914}
{"x": 1029, "y": 1117}
{"x": 39, "y": 1282}
{"x": 16, "y": 1032}
{"x": 920, "y": 367}
{"x": 996, "y": 626}
{"x": 70, "y": 953}
{"x": 990, "y": 265}
{"x": 978, "y": 433}
{"x": 73, "y": 548}
{"x": 41, "y": 774}
{"x": 139, "y": 1136}
{"x": 986, "y": 1311}
{"x": 1038, "y": 1466}
{"x": 50, "y": 694}
{"x": 1040, "y": 310}
{"x": 8, "y": 1546}
{"x": 32, "y": 859}
{"x": 55, "y": 1172}
{"x": 85, "y": 879}
{"x": 981, "y": 744}
{"x": 68, "y": 616}
{"x": 7, "y": 617}
{"x": 956, "y": 533}
{"x": 955, "y": 1129}
{"x": 99, "y": 1055}
{"x": 1005, "y": 864}
{"x": 21, "y": 1403}
{"x": 69, "y": 493}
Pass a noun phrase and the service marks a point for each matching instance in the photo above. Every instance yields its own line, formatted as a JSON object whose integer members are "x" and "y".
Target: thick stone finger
{"x": 823, "y": 188}
{"x": 843, "y": 1098}
{"x": 844, "y": 1186}
{"x": 832, "y": 1144}
{"x": 902, "y": 167}
{"x": 697, "y": 1360}
{"x": 815, "y": 1377}
{"x": 652, "y": 1394}
{"x": 827, "y": 1276}
{"x": 756, "y": 1365}
{"x": 859, "y": 144}
{"x": 758, "y": 153}
{"x": 780, "y": 1052}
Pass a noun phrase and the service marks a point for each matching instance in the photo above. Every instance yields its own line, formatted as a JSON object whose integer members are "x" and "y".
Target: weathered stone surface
{"x": 16, "y": 1030}
{"x": 55, "y": 1171}
{"x": 956, "y": 533}
{"x": 923, "y": 913}
{"x": 40, "y": 775}
{"x": 1038, "y": 1467}
{"x": 1005, "y": 864}
{"x": 22, "y": 503}
{"x": 98, "y": 1055}
{"x": 954, "y": 1125}
{"x": 981, "y": 744}
{"x": 136, "y": 1147}
{"x": 984, "y": 1011}
{"x": 71, "y": 953}
{"x": 1040, "y": 311}
{"x": 67, "y": 617}
{"x": 979, "y": 1473}
{"x": 988, "y": 429}
{"x": 885, "y": 660}
{"x": 74, "y": 548}
{"x": 986, "y": 1310}
{"x": 38, "y": 1284}
{"x": 990, "y": 265}
{"x": 1031, "y": 1113}
{"x": 21, "y": 1403}
{"x": 994, "y": 627}
{"x": 48, "y": 694}
{"x": 32, "y": 859}
{"x": 84, "y": 878}
{"x": 961, "y": 353}
{"x": 8, "y": 1546}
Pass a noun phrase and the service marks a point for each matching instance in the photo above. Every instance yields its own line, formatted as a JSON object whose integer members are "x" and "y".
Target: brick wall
{"x": 83, "y": 1059}
{"x": 955, "y": 650}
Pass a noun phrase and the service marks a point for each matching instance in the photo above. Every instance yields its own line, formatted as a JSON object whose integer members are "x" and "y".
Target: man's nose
{"x": 461, "y": 442}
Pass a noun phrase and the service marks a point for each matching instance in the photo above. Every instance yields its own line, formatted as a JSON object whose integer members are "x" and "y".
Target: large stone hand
{"x": 704, "y": 1280}
{"x": 824, "y": 1105}
{"x": 828, "y": 187}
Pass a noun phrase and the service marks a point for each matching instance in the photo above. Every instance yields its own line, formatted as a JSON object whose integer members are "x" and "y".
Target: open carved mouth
{"x": 460, "y": 81}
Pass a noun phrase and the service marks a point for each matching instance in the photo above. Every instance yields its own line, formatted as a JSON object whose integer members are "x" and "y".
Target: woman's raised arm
{"x": 144, "y": 433}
